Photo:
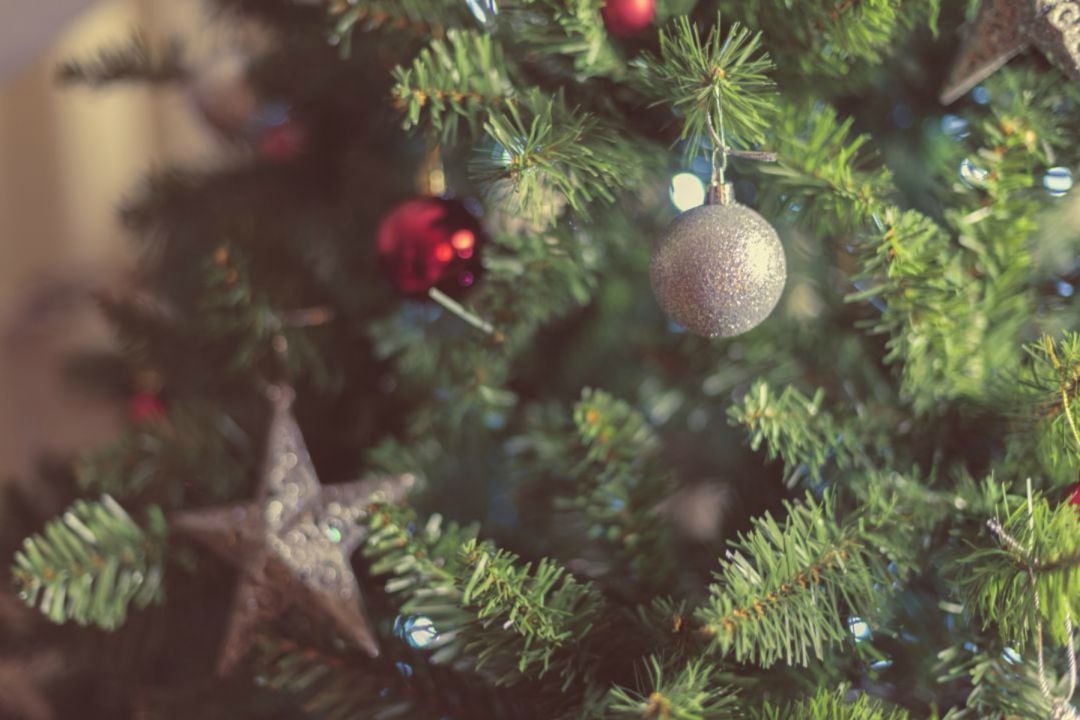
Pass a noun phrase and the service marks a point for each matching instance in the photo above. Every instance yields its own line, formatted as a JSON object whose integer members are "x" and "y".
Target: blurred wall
{"x": 67, "y": 157}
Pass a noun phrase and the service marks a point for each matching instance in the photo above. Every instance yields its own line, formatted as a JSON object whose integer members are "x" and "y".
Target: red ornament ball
{"x": 282, "y": 142}
{"x": 146, "y": 407}
{"x": 1074, "y": 498}
{"x": 628, "y": 17}
{"x": 429, "y": 243}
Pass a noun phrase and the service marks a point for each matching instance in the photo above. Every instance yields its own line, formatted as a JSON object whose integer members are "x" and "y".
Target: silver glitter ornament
{"x": 719, "y": 269}
{"x": 293, "y": 544}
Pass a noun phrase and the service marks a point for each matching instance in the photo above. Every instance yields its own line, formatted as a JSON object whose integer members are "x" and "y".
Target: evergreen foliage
{"x": 794, "y": 427}
{"x": 895, "y": 561}
{"x": 721, "y": 80}
{"x": 691, "y": 694}
{"x": 1003, "y": 681}
{"x": 836, "y": 705}
{"x": 512, "y": 619}
{"x": 90, "y": 564}
{"x": 462, "y": 76}
{"x": 784, "y": 588}
{"x": 619, "y": 486}
{"x": 1018, "y": 587}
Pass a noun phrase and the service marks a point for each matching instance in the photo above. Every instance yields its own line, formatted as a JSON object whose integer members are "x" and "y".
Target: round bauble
{"x": 628, "y": 17}
{"x": 718, "y": 270}
{"x": 146, "y": 407}
{"x": 222, "y": 92}
{"x": 282, "y": 143}
{"x": 431, "y": 242}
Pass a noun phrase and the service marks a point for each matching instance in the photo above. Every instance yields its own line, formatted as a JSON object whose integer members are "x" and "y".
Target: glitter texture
{"x": 293, "y": 545}
{"x": 718, "y": 270}
{"x": 1004, "y": 28}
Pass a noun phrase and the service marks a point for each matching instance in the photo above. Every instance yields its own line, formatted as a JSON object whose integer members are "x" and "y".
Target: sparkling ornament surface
{"x": 293, "y": 545}
{"x": 628, "y": 17}
{"x": 1005, "y": 28}
{"x": 718, "y": 270}
{"x": 431, "y": 243}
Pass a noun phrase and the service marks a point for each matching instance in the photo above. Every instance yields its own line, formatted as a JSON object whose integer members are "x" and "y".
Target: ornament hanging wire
{"x": 719, "y": 191}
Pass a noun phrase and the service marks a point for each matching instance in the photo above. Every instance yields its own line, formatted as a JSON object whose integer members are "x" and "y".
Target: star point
{"x": 293, "y": 544}
{"x": 1005, "y": 28}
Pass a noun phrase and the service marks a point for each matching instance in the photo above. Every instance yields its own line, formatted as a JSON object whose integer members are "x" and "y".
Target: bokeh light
{"x": 687, "y": 191}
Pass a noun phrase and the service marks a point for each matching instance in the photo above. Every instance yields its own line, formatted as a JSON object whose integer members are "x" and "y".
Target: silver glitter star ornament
{"x": 1004, "y": 28}
{"x": 293, "y": 544}
{"x": 719, "y": 269}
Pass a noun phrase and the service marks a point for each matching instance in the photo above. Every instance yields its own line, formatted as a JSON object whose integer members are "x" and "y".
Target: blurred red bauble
{"x": 1074, "y": 498}
{"x": 146, "y": 407}
{"x": 628, "y": 17}
{"x": 282, "y": 142}
{"x": 429, "y": 243}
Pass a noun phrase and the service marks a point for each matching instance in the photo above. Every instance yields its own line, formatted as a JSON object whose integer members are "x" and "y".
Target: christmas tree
{"x": 412, "y": 437}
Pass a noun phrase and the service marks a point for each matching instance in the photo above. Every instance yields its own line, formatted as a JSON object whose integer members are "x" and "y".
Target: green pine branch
{"x": 574, "y": 29}
{"x": 785, "y": 590}
{"x": 510, "y": 620}
{"x": 829, "y": 704}
{"x": 837, "y": 39}
{"x": 547, "y": 156}
{"x": 929, "y": 307}
{"x": 93, "y": 563}
{"x": 462, "y": 77}
{"x": 825, "y": 178}
{"x": 1053, "y": 378}
{"x": 1043, "y": 398}
{"x": 1003, "y": 683}
{"x": 691, "y": 692}
{"x": 1016, "y": 587}
{"x": 691, "y": 75}
{"x": 424, "y": 569}
{"x": 618, "y": 484}
{"x": 529, "y": 620}
{"x": 795, "y": 428}
{"x": 534, "y": 276}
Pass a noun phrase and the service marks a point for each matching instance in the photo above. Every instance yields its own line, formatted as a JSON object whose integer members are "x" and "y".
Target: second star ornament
{"x": 719, "y": 269}
{"x": 293, "y": 544}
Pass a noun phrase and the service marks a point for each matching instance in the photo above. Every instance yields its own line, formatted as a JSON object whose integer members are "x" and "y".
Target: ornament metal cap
{"x": 721, "y": 194}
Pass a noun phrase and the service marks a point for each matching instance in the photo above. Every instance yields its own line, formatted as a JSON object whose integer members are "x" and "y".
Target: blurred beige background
{"x": 68, "y": 156}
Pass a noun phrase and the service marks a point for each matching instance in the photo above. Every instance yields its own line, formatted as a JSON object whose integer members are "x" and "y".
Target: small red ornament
{"x": 429, "y": 243}
{"x": 146, "y": 407}
{"x": 628, "y": 17}
{"x": 282, "y": 142}
{"x": 1074, "y": 499}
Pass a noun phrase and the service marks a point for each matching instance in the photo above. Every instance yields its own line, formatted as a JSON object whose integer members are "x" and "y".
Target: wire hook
{"x": 718, "y": 190}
